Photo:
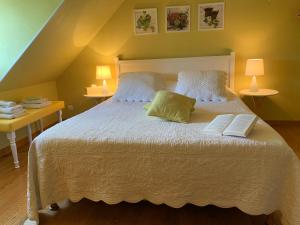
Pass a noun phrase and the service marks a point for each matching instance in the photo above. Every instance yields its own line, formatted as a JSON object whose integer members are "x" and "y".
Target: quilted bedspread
{"x": 114, "y": 152}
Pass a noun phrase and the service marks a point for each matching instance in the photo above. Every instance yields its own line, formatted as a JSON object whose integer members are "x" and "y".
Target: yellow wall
{"x": 253, "y": 28}
{"x": 47, "y": 90}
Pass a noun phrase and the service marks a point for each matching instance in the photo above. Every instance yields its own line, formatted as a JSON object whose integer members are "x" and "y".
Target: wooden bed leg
{"x": 54, "y": 207}
{"x": 269, "y": 220}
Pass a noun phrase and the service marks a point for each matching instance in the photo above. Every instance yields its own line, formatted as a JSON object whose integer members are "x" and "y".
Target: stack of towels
{"x": 10, "y": 110}
{"x": 35, "y": 102}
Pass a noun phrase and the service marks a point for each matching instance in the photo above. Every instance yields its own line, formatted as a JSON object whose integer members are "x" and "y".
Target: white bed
{"x": 114, "y": 152}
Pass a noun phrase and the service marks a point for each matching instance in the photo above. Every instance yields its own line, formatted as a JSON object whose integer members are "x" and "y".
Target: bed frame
{"x": 170, "y": 67}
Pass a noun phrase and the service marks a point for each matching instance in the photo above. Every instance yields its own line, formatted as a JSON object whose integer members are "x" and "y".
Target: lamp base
{"x": 253, "y": 85}
{"x": 105, "y": 89}
{"x": 94, "y": 90}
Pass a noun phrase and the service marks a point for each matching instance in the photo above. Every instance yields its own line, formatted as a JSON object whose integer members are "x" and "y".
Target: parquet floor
{"x": 85, "y": 212}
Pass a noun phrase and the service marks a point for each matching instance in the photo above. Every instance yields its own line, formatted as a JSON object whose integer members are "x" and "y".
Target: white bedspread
{"x": 114, "y": 152}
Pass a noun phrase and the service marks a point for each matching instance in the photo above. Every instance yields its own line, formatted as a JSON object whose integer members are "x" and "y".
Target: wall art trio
{"x": 178, "y": 19}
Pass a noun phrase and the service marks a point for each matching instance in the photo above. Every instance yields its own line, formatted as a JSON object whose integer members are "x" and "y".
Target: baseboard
{"x": 22, "y": 142}
{"x": 283, "y": 122}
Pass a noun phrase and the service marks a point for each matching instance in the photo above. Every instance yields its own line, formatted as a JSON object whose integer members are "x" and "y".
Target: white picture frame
{"x": 211, "y": 16}
{"x": 142, "y": 25}
{"x": 182, "y": 26}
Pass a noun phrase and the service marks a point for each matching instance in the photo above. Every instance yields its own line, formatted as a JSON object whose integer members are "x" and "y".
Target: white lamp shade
{"x": 255, "y": 67}
{"x": 103, "y": 72}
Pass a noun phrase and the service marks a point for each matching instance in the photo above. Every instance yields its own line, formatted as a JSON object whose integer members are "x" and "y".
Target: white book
{"x": 232, "y": 125}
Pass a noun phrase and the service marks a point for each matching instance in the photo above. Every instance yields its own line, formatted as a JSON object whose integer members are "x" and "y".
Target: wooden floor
{"x": 291, "y": 133}
{"x": 13, "y": 202}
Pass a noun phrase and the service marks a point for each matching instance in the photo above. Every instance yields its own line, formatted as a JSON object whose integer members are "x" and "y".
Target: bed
{"x": 114, "y": 152}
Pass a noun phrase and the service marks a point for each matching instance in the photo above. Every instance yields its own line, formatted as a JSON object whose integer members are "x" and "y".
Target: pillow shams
{"x": 138, "y": 86}
{"x": 203, "y": 85}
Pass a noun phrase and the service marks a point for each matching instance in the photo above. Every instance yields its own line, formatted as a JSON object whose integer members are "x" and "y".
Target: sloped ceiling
{"x": 20, "y": 23}
{"x": 72, "y": 27}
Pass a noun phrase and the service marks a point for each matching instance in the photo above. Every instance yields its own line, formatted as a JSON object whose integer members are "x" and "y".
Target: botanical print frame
{"x": 178, "y": 19}
{"x": 211, "y": 16}
{"x": 145, "y": 21}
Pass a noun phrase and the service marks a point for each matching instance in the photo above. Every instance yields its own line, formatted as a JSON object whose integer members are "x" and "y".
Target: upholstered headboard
{"x": 172, "y": 66}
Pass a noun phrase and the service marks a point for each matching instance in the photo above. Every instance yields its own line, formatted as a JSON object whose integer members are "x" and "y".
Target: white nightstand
{"x": 101, "y": 97}
{"x": 259, "y": 93}
{"x": 110, "y": 94}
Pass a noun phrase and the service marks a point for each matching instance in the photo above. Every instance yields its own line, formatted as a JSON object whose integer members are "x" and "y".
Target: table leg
{"x": 59, "y": 114}
{"x": 54, "y": 207}
{"x": 29, "y": 133}
{"x": 269, "y": 220}
{"x": 12, "y": 141}
{"x": 254, "y": 103}
{"x": 41, "y": 125}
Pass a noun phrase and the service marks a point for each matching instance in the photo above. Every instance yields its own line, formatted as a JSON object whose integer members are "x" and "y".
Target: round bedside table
{"x": 107, "y": 95}
{"x": 259, "y": 93}
{"x": 101, "y": 97}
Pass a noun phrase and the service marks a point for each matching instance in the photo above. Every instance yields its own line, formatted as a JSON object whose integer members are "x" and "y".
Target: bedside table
{"x": 110, "y": 94}
{"x": 259, "y": 93}
{"x": 101, "y": 97}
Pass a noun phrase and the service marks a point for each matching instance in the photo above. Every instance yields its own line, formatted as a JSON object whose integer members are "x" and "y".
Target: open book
{"x": 231, "y": 125}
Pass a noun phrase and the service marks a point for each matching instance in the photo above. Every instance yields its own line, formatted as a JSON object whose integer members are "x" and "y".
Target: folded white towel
{"x": 36, "y": 106}
{"x": 33, "y": 97}
{"x": 35, "y": 101}
{"x": 12, "y": 116}
{"x": 11, "y": 110}
{"x": 7, "y": 103}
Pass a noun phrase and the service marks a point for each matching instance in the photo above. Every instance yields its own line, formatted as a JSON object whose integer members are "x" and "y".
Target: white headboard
{"x": 172, "y": 66}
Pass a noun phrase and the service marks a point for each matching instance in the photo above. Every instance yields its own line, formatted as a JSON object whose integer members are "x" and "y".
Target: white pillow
{"x": 205, "y": 86}
{"x": 138, "y": 86}
{"x": 170, "y": 85}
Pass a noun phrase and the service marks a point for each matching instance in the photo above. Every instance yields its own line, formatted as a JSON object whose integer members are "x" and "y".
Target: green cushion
{"x": 171, "y": 106}
{"x": 147, "y": 106}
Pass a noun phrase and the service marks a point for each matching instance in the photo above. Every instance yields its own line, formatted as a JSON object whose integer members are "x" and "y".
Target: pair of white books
{"x": 231, "y": 125}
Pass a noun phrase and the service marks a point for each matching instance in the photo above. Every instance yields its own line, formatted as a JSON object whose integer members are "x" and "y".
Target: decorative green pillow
{"x": 171, "y": 106}
{"x": 147, "y": 106}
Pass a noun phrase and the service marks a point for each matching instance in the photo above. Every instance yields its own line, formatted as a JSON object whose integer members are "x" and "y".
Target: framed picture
{"x": 211, "y": 16}
{"x": 145, "y": 21}
{"x": 178, "y": 19}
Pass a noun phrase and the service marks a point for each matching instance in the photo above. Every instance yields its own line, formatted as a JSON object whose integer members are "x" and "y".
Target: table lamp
{"x": 103, "y": 73}
{"x": 254, "y": 67}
